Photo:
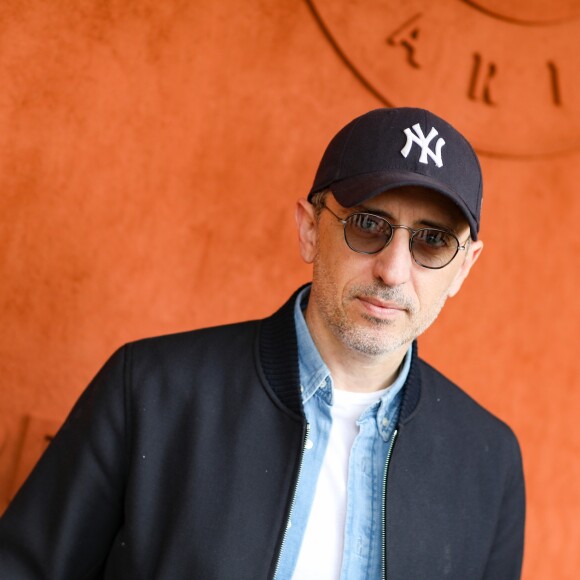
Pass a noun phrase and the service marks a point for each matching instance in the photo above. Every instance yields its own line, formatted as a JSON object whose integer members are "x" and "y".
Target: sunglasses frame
{"x": 413, "y": 232}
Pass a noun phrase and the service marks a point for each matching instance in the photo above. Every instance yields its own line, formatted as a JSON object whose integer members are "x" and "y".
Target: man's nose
{"x": 393, "y": 264}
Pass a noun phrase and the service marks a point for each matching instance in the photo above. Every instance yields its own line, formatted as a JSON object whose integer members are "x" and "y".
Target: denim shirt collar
{"x": 315, "y": 375}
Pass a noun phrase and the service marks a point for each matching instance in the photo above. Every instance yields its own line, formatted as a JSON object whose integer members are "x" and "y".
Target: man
{"x": 312, "y": 444}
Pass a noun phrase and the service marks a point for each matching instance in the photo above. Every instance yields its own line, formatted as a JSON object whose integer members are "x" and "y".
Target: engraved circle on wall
{"x": 506, "y": 76}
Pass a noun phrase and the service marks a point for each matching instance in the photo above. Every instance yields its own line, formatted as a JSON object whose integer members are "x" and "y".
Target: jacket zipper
{"x": 289, "y": 518}
{"x": 384, "y": 507}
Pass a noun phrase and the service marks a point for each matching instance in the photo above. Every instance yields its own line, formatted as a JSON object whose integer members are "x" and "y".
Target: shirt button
{"x": 385, "y": 421}
{"x": 309, "y": 444}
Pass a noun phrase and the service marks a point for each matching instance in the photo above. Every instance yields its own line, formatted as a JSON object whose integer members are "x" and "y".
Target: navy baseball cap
{"x": 390, "y": 148}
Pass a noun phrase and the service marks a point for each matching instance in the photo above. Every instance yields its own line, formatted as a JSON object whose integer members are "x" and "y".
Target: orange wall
{"x": 150, "y": 157}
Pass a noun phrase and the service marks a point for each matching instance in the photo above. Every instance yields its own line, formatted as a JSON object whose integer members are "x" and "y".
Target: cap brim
{"x": 354, "y": 190}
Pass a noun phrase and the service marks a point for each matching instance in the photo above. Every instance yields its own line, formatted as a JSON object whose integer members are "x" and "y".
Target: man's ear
{"x": 307, "y": 229}
{"x": 473, "y": 254}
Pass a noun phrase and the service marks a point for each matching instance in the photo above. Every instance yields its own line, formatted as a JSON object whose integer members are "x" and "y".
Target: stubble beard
{"x": 378, "y": 337}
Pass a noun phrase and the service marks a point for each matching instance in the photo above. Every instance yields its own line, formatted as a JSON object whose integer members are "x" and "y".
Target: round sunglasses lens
{"x": 434, "y": 248}
{"x": 367, "y": 233}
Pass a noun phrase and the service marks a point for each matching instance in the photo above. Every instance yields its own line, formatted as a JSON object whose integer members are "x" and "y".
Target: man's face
{"x": 377, "y": 304}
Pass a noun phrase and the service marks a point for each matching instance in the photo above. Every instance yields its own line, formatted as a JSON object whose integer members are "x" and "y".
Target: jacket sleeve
{"x": 505, "y": 561}
{"x": 63, "y": 520}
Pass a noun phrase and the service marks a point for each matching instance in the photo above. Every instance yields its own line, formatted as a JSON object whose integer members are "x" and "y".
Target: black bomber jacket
{"x": 180, "y": 460}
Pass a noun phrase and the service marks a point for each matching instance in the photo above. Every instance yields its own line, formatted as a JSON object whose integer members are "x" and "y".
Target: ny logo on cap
{"x": 423, "y": 142}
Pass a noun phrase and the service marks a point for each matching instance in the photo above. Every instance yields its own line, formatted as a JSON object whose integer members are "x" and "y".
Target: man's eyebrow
{"x": 426, "y": 223}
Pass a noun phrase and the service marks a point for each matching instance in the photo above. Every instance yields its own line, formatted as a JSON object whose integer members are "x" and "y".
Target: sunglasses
{"x": 367, "y": 233}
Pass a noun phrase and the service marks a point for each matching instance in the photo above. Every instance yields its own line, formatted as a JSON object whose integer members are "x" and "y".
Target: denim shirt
{"x": 362, "y": 551}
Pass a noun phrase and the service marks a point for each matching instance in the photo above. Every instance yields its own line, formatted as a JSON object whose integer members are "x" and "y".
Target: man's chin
{"x": 367, "y": 341}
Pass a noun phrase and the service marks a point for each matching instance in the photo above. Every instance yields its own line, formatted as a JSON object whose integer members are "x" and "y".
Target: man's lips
{"x": 380, "y": 307}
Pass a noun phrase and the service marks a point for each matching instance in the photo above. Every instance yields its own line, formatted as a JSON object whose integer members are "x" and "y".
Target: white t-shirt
{"x": 320, "y": 556}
